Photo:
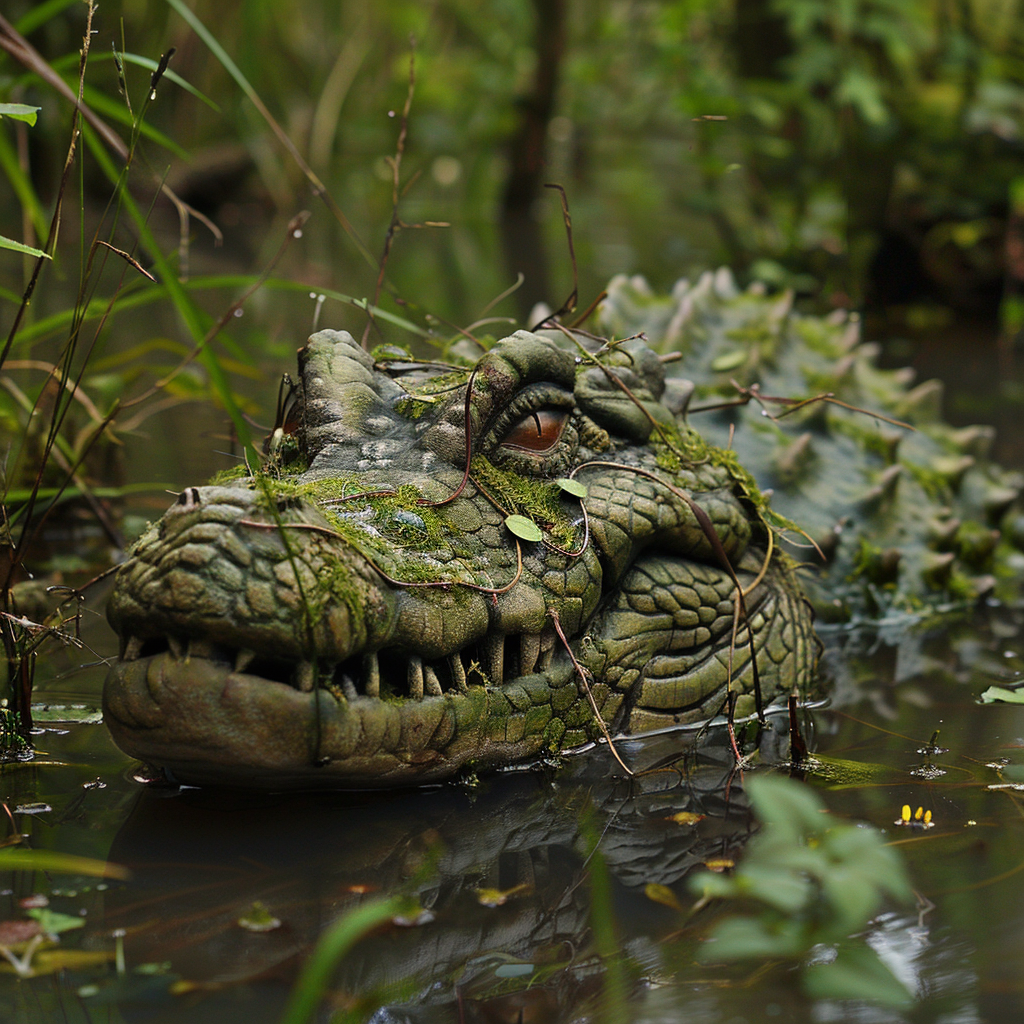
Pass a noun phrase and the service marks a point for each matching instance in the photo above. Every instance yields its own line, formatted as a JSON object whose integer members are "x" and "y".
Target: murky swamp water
{"x": 200, "y": 860}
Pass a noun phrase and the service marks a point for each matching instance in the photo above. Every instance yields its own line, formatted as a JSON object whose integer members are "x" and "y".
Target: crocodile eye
{"x": 538, "y": 431}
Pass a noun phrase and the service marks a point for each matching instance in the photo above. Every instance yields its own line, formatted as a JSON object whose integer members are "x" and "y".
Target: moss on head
{"x": 224, "y": 477}
{"x": 538, "y": 500}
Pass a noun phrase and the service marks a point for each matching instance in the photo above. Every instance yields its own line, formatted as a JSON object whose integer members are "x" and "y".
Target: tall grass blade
{"x": 190, "y": 314}
{"x": 28, "y": 250}
{"x": 332, "y": 947}
{"x": 65, "y": 863}
{"x": 134, "y": 297}
{"x": 41, "y": 14}
{"x": 243, "y": 83}
{"x": 22, "y": 187}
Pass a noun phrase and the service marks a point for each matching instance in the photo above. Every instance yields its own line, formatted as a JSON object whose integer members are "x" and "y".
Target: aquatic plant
{"x": 819, "y": 882}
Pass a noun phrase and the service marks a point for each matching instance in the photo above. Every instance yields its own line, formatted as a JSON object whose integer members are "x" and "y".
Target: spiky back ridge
{"x": 908, "y": 520}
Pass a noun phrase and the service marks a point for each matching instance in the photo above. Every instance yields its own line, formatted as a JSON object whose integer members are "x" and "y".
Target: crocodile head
{"x": 452, "y": 567}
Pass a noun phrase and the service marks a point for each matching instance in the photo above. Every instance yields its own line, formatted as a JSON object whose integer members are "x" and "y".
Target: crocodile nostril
{"x": 189, "y": 498}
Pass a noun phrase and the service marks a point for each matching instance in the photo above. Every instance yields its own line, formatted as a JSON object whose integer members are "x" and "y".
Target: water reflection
{"x": 502, "y": 873}
{"x": 507, "y": 878}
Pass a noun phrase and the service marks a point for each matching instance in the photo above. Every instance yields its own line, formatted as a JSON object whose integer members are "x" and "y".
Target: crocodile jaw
{"x": 206, "y": 723}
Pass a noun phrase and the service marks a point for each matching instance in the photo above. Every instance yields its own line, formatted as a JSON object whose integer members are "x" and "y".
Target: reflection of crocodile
{"x": 389, "y": 604}
{"x": 502, "y": 873}
{"x": 910, "y": 519}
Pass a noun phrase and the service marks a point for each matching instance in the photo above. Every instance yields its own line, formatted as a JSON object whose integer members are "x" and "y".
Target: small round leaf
{"x": 573, "y": 487}
{"x": 523, "y": 528}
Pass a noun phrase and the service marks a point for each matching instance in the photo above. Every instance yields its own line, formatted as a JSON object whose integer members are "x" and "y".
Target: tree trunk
{"x": 521, "y": 237}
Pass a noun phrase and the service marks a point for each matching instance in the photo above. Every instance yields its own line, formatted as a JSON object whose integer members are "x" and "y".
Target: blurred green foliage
{"x": 818, "y": 882}
{"x": 866, "y": 147}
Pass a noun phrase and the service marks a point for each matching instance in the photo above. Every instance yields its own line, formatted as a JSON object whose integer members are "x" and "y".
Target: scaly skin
{"x": 910, "y": 520}
{"x": 362, "y": 615}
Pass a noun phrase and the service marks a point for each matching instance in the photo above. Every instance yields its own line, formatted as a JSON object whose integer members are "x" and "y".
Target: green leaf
{"x": 743, "y": 938}
{"x": 863, "y": 93}
{"x": 865, "y": 850}
{"x": 523, "y": 528}
{"x": 729, "y": 361}
{"x": 573, "y": 487}
{"x": 856, "y": 973}
{"x": 662, "y": 894}
{"x": 781, "y": 889}
{"x": 151, "y": 65}
{"x": 23, "y": 187}
{"x": 53, "y": 922}
{"x": 40, "y": 14}
{"x": 789, "y": 807}
{"x": 709, "y": 884}
{"x": 10, "y": 243}
{"x": 854, "y": 899}
{"x": 999, "y": 694}
{"x": 20, "y": 112}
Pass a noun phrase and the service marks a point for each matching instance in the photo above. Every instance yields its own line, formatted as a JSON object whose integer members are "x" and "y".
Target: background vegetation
{"x": 865, "y": 152}
{"x": 865, "y": 149}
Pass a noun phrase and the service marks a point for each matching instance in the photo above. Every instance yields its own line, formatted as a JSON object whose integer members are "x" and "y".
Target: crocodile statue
{"x": 449, "y": 567}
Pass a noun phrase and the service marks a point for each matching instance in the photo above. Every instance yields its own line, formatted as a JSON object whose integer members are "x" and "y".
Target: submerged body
{"x": 453, "y": 568}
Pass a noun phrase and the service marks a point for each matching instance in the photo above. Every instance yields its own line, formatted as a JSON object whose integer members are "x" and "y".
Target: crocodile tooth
{"x": 891, "y": 442}
{"x": 177, "y": 649}
{"x": 244, "y": 658}
{"x": 547, "y": 649}
{"x": 415, "y": 676}
{"x": 984, "y": 584}
{"x": 131, "y": 648}
{"x": 529, "y": 652}
{"x": 844, "y": 365}
{"x": 493, "y": 652}
{"x": 976, "y": 545}
{"x": 883, "y": 566}
{"x": 200, "y": 648}
{"x": 348, "y": 687}
{"x": 725, "y": 283}
{"x": 371, "y": 675}
{"x": 305, "y": 675}
{"x": 828, "y": 541}
{"x": 792, "y": 459}
{"x": 458, "y": 671}
{"x": 942, "y": 533}
{"x": 851, "y": 336}
{"x": 430, "y": 682}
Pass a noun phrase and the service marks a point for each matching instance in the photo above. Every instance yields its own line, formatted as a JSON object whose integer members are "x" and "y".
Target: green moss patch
{"x": 538, "y": 500}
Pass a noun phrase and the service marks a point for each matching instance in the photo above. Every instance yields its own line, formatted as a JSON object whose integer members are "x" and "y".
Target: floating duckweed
{"x": 390, "y": 353}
